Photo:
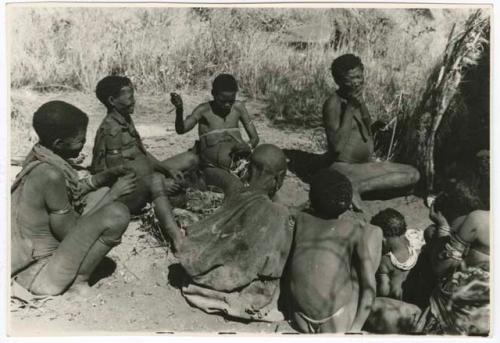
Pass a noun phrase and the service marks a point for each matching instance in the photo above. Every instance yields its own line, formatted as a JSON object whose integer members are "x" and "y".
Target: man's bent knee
{"x": 414, "y": 175}
{"x": 116, "y": 217}
{"x": 192, "y": 161}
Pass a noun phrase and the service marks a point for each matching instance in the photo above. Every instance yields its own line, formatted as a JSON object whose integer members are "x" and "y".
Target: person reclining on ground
{"x": 401, "y": 248}
{"x": 61, "y": 229}
{"x": 459, "y": 254}
{"x": 333, "y": 262}
{"x": 117, "y": 143}
{"x": 235, "y": 257}
{"x": 220, "y": 141}
{"x": 350, "y": 143}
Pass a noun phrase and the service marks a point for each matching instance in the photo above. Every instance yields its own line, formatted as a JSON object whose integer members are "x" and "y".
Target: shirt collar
{"x": 118, "y": 118}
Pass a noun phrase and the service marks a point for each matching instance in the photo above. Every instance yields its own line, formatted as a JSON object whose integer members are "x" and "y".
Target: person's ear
{"x": 111, "y": 100}
{"x": 57, "y": 144}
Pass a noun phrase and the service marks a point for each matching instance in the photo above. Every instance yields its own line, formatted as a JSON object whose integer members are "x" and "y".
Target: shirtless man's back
{"x": 333, "y": 267}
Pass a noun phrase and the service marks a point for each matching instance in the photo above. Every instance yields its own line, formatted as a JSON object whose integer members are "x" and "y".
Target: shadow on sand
{"x": 103, "y": 270}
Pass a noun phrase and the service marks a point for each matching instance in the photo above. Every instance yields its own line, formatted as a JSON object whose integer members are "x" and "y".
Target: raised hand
{"x": 176, "y": 100}
{"x": 437, "y": 217}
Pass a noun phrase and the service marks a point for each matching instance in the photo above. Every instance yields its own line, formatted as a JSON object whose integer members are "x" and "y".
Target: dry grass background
{"x": 166, "y": 49}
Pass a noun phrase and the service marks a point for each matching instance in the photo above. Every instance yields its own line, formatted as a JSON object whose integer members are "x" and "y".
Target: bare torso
{"x": 322, "y": 277}
{"x": 349, "y": 140}
{"x": 209, "y": 121}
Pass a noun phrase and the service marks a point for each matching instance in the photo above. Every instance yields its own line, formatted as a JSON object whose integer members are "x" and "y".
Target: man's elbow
{"x": 180, "y": 129}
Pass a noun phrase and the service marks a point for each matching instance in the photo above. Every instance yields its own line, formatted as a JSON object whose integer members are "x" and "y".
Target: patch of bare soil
{"x": 135, "y": 287}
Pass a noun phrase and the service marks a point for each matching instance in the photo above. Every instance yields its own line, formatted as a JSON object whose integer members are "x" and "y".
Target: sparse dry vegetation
{"x": 280, "y": 55}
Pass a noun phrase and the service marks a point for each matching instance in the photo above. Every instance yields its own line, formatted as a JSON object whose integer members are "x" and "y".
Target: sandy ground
{"x": 134, "y": 290}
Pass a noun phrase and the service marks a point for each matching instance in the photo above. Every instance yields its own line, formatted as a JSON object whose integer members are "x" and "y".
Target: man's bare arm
{"x": 451, "y": 251}
{"x": 248, "y": 125}
{"x": 62, "y": 216}
{"x": 185, "y": 125}
{"x": 332, "y": 121}
{"x": 369, "y": 251}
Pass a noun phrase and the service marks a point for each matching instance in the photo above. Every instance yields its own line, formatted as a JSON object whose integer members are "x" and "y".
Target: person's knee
{"x": 413, "y": 175}
{"x": 192, "y": 161}
{"x": 116, "y": 219}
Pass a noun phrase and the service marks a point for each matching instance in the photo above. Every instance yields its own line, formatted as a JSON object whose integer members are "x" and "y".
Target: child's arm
{"x": 184, "y": 125}
{"x": 248, "y": 125}
{"x": 397, "y": 284}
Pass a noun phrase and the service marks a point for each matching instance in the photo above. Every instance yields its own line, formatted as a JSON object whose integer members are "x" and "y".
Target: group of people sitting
{"x": 323, "y": 267}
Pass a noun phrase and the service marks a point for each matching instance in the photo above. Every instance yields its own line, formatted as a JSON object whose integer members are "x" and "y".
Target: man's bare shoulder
{"x": 333, "y": 102}
{"x": 372, "y": 232}
{"x": 46, "y": 175}
{"x": 240, "y": 107}
{"x": 479, "y": 216}
{"x": 202, "y": 109}
{"x": 312, "y": 223}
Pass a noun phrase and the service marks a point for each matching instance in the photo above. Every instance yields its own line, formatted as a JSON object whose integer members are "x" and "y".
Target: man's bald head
{"x": 269, "y": 158}
{"x": 267, "y": 168}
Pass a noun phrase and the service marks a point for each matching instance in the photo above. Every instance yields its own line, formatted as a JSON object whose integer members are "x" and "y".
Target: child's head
{"x": 61, "y": 127}
{"x": 116, "y": 93}
{"x": 224, "y": 89}
{"x": 330, "y": 193}
{"x": 348, "y": 72}
{"x": 391, "y": 222}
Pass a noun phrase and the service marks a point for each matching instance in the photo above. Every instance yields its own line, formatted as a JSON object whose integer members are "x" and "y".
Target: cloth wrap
{"x": 215, "y": 148}
{"x": 459, "y": 305}
{"x": 415, "y": 242}
{"x": 236, "y": 257}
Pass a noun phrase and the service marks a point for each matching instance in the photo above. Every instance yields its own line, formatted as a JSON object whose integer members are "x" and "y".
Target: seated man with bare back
{"x": 62, "y": 226}
{"x": 220, "y": 141}
{"x": 333, "y": 261}
{"x": 350, "y": 143}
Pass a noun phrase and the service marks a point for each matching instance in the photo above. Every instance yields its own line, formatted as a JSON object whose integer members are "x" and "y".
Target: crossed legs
{"x": 375, "y": 176}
